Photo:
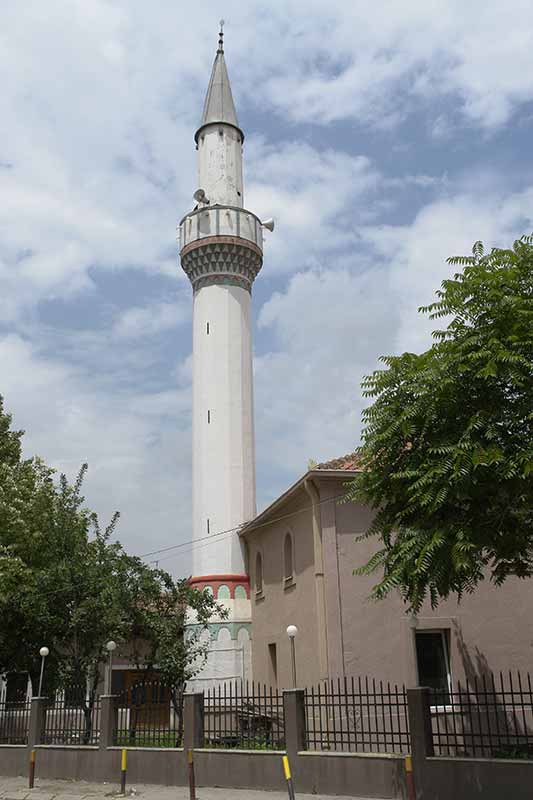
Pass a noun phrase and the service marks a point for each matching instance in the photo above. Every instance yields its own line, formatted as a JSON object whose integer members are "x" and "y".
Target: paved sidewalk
{"x": 17, "y": 789}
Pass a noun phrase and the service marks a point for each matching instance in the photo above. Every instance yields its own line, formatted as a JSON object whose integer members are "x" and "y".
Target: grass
{"x": 168, "y": 739}
{"x": 142, "y": 739}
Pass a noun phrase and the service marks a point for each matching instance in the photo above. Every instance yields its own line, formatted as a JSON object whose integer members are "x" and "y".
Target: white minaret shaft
{"x": 223, "y": 428}
{"x": 221, "y": 252}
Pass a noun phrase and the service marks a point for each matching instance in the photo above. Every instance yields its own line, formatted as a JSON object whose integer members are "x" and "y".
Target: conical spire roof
{"x": 219, "y": 105}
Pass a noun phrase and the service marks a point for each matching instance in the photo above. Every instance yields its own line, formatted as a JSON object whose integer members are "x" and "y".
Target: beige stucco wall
{"x": 281, "y": 606}
{"x": 490, "y": 630}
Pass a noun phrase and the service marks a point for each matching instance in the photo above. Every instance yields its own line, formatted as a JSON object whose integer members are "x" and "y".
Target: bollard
{"x": 192, "y": 783}
{"x": 409, "y": 779}
{"x": 32, "y": 769}
{"x": 288, "y": 777}
{"x": 123, "y": 772}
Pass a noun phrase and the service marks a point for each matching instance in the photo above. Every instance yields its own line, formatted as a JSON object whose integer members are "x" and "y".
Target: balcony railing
{"x": 220, "y": 221}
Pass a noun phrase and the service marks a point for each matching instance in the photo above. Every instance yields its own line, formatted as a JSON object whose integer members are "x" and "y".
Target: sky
{"x": 382, "y": 138}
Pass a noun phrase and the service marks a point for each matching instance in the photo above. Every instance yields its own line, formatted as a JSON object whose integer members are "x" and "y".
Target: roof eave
{"x": 262, "y": 518}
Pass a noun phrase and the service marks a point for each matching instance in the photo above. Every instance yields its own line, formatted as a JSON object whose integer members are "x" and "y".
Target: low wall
{"x": 313, "y": 772}
{"x": 247, "y": 769}
{"x": 327, "y": 773}
{"x": 442, "y": 777}
{"x": 13, "y": 760}
{"x": 330, "y": 773}
{"x": 162, "y": 766}
{"x": 367, "y": 774}
{"x": 469, "y": 778}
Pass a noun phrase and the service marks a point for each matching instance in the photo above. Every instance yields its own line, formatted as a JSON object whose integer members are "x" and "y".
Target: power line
{"x": 212, "y": 536}
{"x": 193, "y": 543}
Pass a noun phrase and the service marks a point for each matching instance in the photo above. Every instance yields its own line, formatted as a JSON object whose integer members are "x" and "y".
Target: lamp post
{"x": 292, "y": 632}
{"x": 110, "y": 647}
{"x": 43, "y": 652}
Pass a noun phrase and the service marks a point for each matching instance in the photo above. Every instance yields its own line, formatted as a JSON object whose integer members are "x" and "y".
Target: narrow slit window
{"x": 288, "y": 557}
{"x": 208, "y": 526}
{"x": 258, "y": 574}
{"x": 207, "y": 328}
{"x": 208, "y": 416}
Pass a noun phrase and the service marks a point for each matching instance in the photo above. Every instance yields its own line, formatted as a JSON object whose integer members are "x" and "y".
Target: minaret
{"x": 222, "y": 253}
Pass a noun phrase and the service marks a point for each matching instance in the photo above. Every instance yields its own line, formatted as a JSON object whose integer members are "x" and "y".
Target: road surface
{"x": 17, "y": 789}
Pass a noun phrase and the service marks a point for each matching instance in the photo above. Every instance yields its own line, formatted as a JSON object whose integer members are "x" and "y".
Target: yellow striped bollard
{"x": 288, "y": 777}
{"x": 123, "y": 765}
{"x": 31, "y": 774}
{"x": 409, "y": 779}
{"x": 192, "y": 781}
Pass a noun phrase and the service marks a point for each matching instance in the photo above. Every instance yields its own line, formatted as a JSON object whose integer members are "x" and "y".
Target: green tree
{"x": 64, "y": 583}
{"x": 172, "y": 636}
{"x": 447, "y": 450}
{"x": 27, "y": 503}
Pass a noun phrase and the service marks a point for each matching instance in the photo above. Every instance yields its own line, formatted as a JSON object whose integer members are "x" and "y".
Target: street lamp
{"x": 43, "y": 652}
{"x": 110, "y": 647}
{"x": 292, "y": 633}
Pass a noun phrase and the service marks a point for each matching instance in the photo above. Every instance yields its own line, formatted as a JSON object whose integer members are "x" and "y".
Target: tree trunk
{"x": 176, "y": 696}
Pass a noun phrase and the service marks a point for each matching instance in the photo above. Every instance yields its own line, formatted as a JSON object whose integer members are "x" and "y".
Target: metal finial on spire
{"x": 221, "y": 37}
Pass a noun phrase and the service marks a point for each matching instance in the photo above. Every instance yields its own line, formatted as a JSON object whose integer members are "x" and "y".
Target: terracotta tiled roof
{"x": 351, "y": 461}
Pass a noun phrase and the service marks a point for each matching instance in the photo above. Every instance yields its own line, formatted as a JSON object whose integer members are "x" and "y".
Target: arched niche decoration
{"x": 224, "y": 635}
{"x": 243, "y": 635}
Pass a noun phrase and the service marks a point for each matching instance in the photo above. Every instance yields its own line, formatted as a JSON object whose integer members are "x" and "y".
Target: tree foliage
{"x": 447, "y": 450}
{"x": 171, "y": 632}
{"x": 65, "y": 584}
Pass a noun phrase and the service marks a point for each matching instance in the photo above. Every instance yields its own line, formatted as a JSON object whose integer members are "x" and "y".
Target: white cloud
{"x": 416, "y": 253}
{"x": 101, "y": 102}
{"x": 97, "y": 164}
{"x": 136, "y": 443}
{"x": 141, "y": 321}
{"x": 331, "y": 326}
{"x": 374, "y": 63}
{"x": 317, "y": 199}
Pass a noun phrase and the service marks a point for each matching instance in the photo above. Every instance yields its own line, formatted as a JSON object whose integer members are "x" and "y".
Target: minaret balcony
{"x": 219, "y": 220}
{"x": 221, "y": 245}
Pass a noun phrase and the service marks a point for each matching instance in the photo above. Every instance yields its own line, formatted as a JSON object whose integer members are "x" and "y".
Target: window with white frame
{"x": 433, "y": 661}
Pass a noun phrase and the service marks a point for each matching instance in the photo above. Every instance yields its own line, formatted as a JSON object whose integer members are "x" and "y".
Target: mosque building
{"x": 293, "y": 563}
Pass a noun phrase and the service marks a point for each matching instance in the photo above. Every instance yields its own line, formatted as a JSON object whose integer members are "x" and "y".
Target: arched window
{"x": 243, "y": 635}
{"x": 288, "y": 557}
{"x": 223, "y": 592}
{"x": 240, "y": 593}
{"x": 224, "y": 635}
{"x": 258, "y": 574}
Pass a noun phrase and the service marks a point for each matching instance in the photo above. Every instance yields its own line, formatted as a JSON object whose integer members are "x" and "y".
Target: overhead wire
{"x": 228, "y": 531}
{"x": 205, "y": 541}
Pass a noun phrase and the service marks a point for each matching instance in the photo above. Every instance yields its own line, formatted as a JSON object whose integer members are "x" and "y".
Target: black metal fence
{"x": 14, "y": 721}
{"x": 489, "y": 717}
{"x": 361, "y": 716}
{"x": 149, "y": 716}
{"x": 244, "y": 715}
{"x": 72, "y": 718}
